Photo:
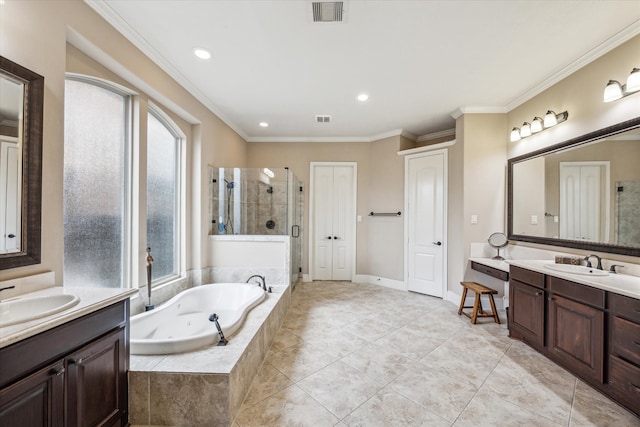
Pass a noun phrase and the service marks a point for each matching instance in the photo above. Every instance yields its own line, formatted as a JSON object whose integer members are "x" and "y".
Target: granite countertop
{"x": 622, "y": 284}
{"x": 91, "y": 300}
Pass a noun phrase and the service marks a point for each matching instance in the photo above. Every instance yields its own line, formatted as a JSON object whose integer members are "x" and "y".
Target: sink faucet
{"x": 587, "y": 258}
{"x": 264, "y": 283}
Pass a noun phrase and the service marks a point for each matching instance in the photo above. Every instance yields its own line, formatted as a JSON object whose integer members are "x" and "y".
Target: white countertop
{"x": 91, "y": 299}
{"x": 622, "y": 284}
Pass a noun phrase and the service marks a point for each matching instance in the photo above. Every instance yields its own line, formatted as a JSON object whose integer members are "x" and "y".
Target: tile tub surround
{"x": 363, "y": 355}
{"x": 205, "y": 387}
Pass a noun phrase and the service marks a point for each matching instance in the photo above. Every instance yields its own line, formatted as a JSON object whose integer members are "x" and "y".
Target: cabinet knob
{"x": 57, "y": 371}
{"x": 75, "y": 361}
{"x": 538, "y": 294}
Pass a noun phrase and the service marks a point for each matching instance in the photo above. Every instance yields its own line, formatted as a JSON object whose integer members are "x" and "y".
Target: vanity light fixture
{"x": 538, "y": 124}
{"x": 615, "y": 90}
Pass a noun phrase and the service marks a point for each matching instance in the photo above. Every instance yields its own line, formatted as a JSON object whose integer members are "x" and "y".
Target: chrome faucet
{"x": 587, "y": 258}
{"x": 264, "y": 283}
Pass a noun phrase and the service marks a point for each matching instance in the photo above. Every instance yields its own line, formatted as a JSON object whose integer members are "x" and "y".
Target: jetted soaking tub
{"x": 182, "y": 323}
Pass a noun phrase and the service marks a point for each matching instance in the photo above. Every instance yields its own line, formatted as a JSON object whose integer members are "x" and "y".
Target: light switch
{"x": 359, "y": 218}
{"x": 534, "y": 219}
{"x": 474, "y": 219}
{"x": 555, "y": 219}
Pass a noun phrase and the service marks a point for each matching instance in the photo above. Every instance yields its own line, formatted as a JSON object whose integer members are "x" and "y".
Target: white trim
{"x": 381, "y": 281}
{"x": 478, "y": 109}
{"x": 311, "y": 240}
{"x": 434, "y": 135}
{"x": 445, "y": 206}
{"x": 426, "y": 148}
{"x": 600, "y": 50}
{"x": 372, "y": 138}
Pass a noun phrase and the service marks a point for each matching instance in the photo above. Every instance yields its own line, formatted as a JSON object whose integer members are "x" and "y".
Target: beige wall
{"x": 35, "y": 35}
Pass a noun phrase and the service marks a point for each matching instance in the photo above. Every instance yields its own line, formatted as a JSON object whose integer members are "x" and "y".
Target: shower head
{"x": 230, "y": 184}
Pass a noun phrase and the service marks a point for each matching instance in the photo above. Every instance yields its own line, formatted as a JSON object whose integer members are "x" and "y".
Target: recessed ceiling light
{"x": 201, "y": 53}
{"x": 362, "y": 97}
{"x": 264, "y": 124}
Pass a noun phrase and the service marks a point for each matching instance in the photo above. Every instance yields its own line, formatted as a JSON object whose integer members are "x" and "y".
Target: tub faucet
{"x": 587, "y": 258}
{"x": 264, "y": 283}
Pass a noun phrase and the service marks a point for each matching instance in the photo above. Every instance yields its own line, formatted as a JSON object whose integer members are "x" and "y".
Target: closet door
{"x": 333, "y": 215}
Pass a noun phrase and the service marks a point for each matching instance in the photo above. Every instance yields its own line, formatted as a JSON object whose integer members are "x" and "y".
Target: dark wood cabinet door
{"x": 576, "y": 337}
{"x": 35, "y": 401}
{"x": 526, "y": 313}
{"x": 97, "y": 381}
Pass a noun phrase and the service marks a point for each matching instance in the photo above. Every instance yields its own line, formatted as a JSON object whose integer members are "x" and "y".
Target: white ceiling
{"x": 419, "y": 61}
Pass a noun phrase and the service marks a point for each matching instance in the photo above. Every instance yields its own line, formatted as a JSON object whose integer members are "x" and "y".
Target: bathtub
{"x": 182, "y": 323}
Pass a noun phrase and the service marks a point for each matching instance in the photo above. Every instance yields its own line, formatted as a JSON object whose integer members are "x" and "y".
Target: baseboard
{"x": 455, "y": 299}
{"x": 387, "y": 283}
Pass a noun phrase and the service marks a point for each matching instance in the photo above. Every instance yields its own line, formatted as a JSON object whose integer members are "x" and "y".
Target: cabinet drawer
{"x": 576, "y": 291}
{"x": 626, "y": 307}
{"x": 624, "y": 379}
{"x": 527, "y": 276}
{"x": 490, "y": 271}
{"x": 625, "y": 339}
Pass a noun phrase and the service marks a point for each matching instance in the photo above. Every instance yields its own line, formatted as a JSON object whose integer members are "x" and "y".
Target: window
{"x": 96, "y": 146}
{"x": 163, "y": 195}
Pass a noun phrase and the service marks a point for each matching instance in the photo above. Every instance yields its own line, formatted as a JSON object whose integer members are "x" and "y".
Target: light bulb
{"x": 550, "y": 119}
{"x": 515, "y": 135}
{"x": 536, "y": 125}
{"x": 525, "y": 130}
{"x": 612, "y": 91}
{"x": 633, "y": 81}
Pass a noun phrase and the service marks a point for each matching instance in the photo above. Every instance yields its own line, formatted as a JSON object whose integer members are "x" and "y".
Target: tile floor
{"x": 363, "y": 355}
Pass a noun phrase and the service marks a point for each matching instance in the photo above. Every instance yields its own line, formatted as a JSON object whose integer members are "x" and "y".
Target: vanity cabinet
{"x": 72, "y": 375}
{"x": 526, "y": 306}
{"x": 576, "y": 327}
{"x": 624, "y": 350}
{"x": 594, "y": 334}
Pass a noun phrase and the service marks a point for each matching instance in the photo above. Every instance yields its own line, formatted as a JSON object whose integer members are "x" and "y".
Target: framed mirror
{"x": 583, "y": 193}
{"x": 21, "y": 107}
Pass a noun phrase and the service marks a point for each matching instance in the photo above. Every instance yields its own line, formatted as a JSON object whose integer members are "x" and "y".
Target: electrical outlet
{"x": 534, "y": 219}
{"x": 474, "y": 219}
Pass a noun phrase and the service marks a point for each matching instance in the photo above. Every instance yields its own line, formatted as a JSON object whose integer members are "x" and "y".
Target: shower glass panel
{"x": 258, "y": 201}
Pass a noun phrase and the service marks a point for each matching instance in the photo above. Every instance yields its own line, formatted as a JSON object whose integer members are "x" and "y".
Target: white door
{"x": 10, "y": 205}
{"x": 426, "y": 223}
{"x": 584, "y": 201}
{"x": 333, "y": 216}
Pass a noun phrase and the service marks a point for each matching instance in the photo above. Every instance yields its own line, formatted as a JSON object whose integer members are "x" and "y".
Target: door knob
{"x": 11, "y": 236}
{"x": 335, "y": 237}
{"x": 329, "y": 237}
{"x": 437, "y": 243}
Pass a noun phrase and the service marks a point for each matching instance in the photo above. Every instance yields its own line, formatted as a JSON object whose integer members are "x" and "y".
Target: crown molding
{"x": 600, "y": 50}
{"x": 479, "y": 109}
{"x": 307, "y": 139}
{"x": 434, "y": 135}
{"x": 108, "y": 14}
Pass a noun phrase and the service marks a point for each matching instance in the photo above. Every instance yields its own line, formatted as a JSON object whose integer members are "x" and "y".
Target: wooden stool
{"x": 477, "y": 305}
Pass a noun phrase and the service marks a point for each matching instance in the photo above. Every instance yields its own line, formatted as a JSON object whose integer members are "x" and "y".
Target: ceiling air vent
{"x": 330, "y": 11}
{"x": 323, "y": 119}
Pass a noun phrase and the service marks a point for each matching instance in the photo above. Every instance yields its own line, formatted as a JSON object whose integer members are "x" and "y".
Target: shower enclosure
{"x": 258, "y": 201}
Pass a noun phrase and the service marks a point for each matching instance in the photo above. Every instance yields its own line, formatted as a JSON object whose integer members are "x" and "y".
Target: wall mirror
{"x": 583, "y": 193}
{"x": 21, "y": 106}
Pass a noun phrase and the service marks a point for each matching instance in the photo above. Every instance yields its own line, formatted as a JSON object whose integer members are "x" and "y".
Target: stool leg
{"x": 493, "y": 308}
{"x": 480, "y": 309}
{"x": 464, "y": 296}
{"x": 476, "y": 304}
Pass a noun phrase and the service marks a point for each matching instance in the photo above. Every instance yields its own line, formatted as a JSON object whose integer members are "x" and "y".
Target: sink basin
{"x": 30, "y": 308}
{"x": 577, "y": 269}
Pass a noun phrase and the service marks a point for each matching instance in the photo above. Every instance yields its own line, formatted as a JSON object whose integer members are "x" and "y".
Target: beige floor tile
{"x": 379, "y": 362}
{"x": 389, "y": 409}
{"x": 339, "y": 388}
{"x": 488, "y": 409}
{"x": 443, "y": 393}
{"x": 268, "y": 382}
{"x": 300, "y": 361}
{"x": 370, "y": 329}
{"x": 409, "y": 344}
{"x": 290, "y": 407}
{"x": 338, "y": 343}
{"x": 590, "y": 408}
